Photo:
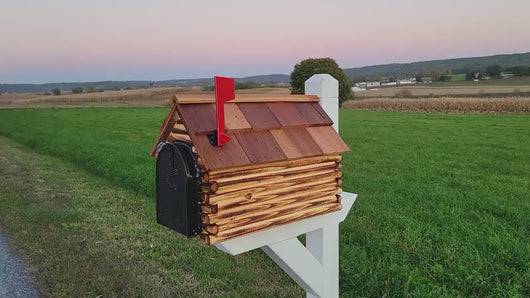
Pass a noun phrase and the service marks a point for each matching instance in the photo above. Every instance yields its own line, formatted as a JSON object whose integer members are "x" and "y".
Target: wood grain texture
{"x": 328, "y": 140}
{"x": 287, "y": 114}
{"x": 259, "y": 116}
{"x": 270, "y": 209}
{"x": 272, "y": 172}
{"x": 236, "y": 202}
{"x": 322, "y": 113}
{"x": 234, "y": 119}
{"x": 260, "y": 146}
{"x": 296, "y": 142}
{"x": 271, "y": 182}
{"x": 199, "y": 118}
{"x": 312, "y": 114}
{"x": 260, "y": 225}
{"x": 284, "y": 164}
{"x": 264, "y": 192}
{"x": 210, "y": 98}
{"x": 229, "y": 155}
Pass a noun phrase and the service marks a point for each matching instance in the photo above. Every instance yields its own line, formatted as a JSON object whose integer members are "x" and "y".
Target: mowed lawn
{"x": 443, "y": 207}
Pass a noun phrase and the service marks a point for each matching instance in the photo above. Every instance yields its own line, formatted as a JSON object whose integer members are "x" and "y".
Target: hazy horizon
{"x": 65, "y": 41}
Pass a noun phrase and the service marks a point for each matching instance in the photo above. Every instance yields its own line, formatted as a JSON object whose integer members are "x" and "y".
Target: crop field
{"x": 514, "y": 105}
{"x": 442, "y": 209}
{"x": 442, "y": 90}
{"x": 156, "y": 97}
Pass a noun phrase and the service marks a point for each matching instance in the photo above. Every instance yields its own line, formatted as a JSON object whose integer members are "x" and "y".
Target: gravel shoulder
{"x": 15, "y": 280}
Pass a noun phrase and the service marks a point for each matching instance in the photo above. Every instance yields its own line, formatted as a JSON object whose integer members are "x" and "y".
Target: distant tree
{"x": 77, "y": 90}
{"x": 418, "y": 79}
{"x": 444, "y": 78}
{"x": 521, "y": 70}
{"x": 392, "y": 79}
{"x": 435, "y": 75}
{"x": 307, "y": 68}
{"x": 470, "y": 76}
{"x": 494, "y": 70}
{"x": 56, "y": 91}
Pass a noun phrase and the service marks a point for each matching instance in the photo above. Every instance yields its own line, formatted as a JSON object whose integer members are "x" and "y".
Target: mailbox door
{"x": 177, "y": 197}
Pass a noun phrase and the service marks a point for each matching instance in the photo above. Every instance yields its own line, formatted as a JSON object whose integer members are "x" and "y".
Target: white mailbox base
{"x": 315, "y": 267}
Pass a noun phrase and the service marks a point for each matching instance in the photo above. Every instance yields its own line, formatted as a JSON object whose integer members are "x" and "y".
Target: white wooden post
{"x": 314, "y": 267}
{"x": 323, "y": 243}
{"x": 326, "y": 88}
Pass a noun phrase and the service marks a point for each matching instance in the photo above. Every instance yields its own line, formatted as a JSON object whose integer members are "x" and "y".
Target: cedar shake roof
{"x": 262, "y": 128}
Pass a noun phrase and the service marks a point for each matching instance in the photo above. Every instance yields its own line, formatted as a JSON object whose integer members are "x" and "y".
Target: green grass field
{"x": 442, "y": 209}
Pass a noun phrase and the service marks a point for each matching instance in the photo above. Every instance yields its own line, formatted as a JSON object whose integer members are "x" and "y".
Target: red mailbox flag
{"x": 224, "y": 91}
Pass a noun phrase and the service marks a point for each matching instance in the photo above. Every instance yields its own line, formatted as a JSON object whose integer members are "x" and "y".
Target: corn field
{"x": 511, "y": 105}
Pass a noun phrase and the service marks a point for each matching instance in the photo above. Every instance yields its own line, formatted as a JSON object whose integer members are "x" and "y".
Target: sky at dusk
{"x": 68, "y": 41}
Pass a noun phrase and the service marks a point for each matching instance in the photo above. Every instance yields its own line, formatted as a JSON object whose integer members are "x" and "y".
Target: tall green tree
{"x": 494, "y": 70}
{"x": 56, "y": 91}
{"x": 308, "y": 67}
{"x": 470, "y": 76}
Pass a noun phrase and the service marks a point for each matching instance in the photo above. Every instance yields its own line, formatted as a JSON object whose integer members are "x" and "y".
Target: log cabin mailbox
{"x": 280, "y": 163}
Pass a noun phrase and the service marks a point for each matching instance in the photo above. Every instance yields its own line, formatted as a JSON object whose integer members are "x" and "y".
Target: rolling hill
{"x": 458, "y": 65}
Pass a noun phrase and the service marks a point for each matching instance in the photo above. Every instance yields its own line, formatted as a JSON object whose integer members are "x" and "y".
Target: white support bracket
{"x": 314, "y": 267}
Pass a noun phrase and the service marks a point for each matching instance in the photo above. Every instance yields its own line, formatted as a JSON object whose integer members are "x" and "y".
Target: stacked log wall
{"x": 241, "y": 200}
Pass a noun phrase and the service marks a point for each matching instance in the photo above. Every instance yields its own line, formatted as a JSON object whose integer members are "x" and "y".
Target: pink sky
{"x": 64, "y": 40}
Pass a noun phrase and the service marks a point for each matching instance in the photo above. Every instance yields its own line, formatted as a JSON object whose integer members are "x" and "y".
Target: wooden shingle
{"x": 260, "y": 146}
{"x": 296, "y": 142}
{"x": 328, "y": 140}
{"x": 259, "y": 116}
{"x": 287, "y": 114}
{"x": 234, "y": 119}
{"x": 199, "y": 118}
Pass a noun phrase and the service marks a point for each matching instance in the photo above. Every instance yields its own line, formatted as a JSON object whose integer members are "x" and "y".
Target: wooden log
{"x": 210, "y": 229}
{"x": 307, "y": 192}
{"x": 205, "y": 199}
{"x": 285, "y": 180}
{"x": 212, "y": 239}
{"x": 274, "y": 171}
{"x": 180, "y": 127}
{"x": 269, "y": 214}
{"x": 339, "y": 181}
{"x": 200, "y": 163}
{"x": 180, "y": 137}
{"x": 339, "y": 198}
{"x": 206, "y": 188}
{"x": 255, "y": 212}
{"x": 209, "y": 208}
{"x": 303, "y": 186}
{"x": 277, "y": 186}
{"x": 238, "y": 171}
{"x": 235, "y": 208}
{"x": 339, "y": 165}
{"x": 179, "y": 131}
{"x": 266, "y": 194}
